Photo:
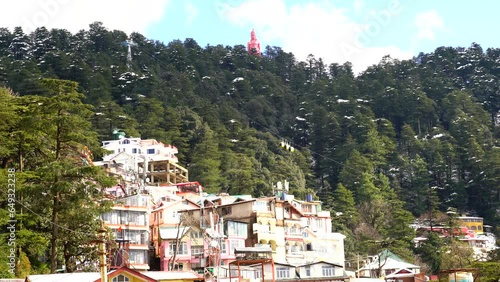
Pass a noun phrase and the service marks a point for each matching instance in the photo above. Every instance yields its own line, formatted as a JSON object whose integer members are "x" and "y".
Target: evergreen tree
{"x": 63, "y": 178}
{"x": 206, "y": 161}
{"x": 344, "y": 207}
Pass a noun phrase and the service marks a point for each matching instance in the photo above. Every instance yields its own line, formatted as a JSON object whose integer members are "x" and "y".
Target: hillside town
{"x": 164, "y": 226}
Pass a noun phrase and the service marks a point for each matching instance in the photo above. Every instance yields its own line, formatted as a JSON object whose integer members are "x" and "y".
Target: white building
{"x": 150, "y": 148}
{"x": 129, "y": 222}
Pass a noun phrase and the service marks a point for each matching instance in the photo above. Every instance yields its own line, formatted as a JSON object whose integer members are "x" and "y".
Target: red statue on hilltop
{"x": 253, "y": 45}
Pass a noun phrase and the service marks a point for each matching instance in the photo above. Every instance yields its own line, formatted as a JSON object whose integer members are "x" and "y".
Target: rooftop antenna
{"x": 129, "y": 43}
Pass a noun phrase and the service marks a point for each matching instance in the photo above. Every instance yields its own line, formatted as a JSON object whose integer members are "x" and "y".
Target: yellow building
{"x": 473, "y": 223}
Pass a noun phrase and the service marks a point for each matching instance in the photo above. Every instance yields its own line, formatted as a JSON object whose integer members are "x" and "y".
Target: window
{"x": 223, "y": 248}
{"x": 306, "y": 208}
{"x": 262, "y": 206}
{"x": 151, "y": 151}
{"x": 196, "y": 250}
{"x": 320, "y": 222}
{"x": 236, "y": 244}
{"x": 134, "y": 150}
{"x": 226, "y": 210}
{"x": 138, "y": 256}
{"x": 296, "y": 249}
{"x": 121, "y": 278}
{"x": 309, "y": 247}
{"x": 183, "y": 250}
{"x": 282, "y": 272}
{"x": 126, "y": 141}
{"x": 328, "y": 271}
{"x": 308, "y": 271}
{"x": 196, "y": 234}
{"x": 479, "y": 227}
{"x": 258, "y": 274}
{"x": 235, "y": 229}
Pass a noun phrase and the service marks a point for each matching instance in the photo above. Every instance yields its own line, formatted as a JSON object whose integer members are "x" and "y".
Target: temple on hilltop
{"x": 253, "y": 45}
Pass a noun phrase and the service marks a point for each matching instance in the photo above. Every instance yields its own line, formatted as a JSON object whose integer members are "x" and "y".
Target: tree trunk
{"x": 54, "y": 235}
{"x": 177, "y": 243}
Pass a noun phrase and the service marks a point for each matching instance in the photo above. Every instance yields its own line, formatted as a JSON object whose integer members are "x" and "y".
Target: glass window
{"x": 282, "y": 272}
{"x": 328, "y": 271}
{"x": 236, "y": 244}
{"x": 134, "y": 150}
{"x": 121, "y": 278}
{"x": 308, "y": 271}
{"x": 196, "y": 234}
{"x": 183, "y": 250}
{"x": 151, "y": 151}
{"x": 196, "y": 250}
{"x": 236, "y": 229}
{"x": 223, "y": 248}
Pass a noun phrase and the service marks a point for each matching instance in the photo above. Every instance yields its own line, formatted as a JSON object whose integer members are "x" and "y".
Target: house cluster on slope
{"x": 162, "y": 221}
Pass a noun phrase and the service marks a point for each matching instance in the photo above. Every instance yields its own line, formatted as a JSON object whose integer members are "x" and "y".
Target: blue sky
{"x": 360, "y": 31}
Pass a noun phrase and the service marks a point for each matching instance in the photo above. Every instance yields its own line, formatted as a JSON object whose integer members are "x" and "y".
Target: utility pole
{"x": 101, "y": 239}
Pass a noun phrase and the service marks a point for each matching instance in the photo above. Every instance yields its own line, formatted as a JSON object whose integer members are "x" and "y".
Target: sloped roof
{"x": 171, "y": 232}
{"x": 136, "y": 274}
{"x": 388, "y": 260}
{"x": 86, "y": 276}
{"x": 63, "y": 277}
{"x": 172, "y": 275}
{"x": 402, "y": 273}
{"x": 320, "y": 262}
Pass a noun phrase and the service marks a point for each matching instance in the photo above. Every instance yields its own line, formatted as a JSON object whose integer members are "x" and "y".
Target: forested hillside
{"x": 402, "y": 140}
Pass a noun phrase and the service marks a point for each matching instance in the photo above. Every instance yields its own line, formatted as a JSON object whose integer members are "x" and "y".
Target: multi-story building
{"x": 157, "y": 209}
{"x": 473, "y": 223}
{"x": 152, "y": 161}
{"x": 129, "y": 222}
{"x": 298, "y": 233}
{"x": 140, "y": 167}
{"x": 166, "y": 216}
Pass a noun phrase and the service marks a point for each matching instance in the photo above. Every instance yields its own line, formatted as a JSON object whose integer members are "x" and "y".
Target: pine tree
{"x": 344, "y": 207}
{"x": 206, "y": 161}
{"x": 71, "y": 187}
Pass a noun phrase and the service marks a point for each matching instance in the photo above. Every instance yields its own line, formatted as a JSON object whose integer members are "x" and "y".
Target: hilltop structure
{"x": 253, "y": 46}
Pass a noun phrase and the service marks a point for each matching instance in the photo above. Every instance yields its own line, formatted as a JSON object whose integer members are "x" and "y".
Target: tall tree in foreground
{"x": 65, "y": 188}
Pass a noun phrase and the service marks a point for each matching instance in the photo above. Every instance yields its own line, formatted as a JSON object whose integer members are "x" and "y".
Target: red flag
{"x": 120, "y": 229}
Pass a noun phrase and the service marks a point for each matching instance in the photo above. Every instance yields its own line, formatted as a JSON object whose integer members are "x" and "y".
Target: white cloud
{"x": 317, "y": 28}
{"x": 427, "y": 23}
{"x": 359, "y": 5}
{"x": 73, "y": 15}
{"x": 192, "y": 12}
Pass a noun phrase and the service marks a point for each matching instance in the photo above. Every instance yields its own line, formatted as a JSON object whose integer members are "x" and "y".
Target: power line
{"x": 45, "y": 219}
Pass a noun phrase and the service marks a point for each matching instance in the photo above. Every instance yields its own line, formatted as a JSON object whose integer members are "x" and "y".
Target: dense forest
{"x": 404, "y": 140}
